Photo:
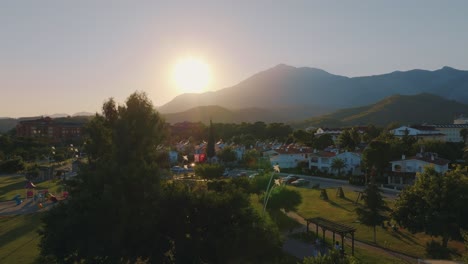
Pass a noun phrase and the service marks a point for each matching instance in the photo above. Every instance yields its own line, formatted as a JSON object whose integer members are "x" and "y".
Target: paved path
{"x": 301, "y": 249}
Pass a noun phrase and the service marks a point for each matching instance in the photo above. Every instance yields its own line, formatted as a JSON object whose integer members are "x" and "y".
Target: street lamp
{"x": 268, "y": 190}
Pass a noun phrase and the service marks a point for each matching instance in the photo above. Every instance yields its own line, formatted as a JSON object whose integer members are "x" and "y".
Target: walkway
{"x": 301, "y": 249}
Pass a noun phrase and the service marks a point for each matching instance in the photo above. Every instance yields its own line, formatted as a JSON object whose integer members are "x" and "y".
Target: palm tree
{"x": 338, "y": 164}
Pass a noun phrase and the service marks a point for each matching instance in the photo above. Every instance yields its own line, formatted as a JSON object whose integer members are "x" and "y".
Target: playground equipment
{"x": 51, "y": 197}
{"x": 17, "y": 199}
{"x": 30, "y": 189}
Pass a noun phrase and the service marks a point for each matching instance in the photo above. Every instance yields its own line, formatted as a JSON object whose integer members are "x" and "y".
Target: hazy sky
{"x": 70, "y": 56}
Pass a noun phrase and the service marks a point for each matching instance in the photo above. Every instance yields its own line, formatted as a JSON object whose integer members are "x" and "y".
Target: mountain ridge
{"x": 287, "y": 86}
{"x": 403, "y": 109}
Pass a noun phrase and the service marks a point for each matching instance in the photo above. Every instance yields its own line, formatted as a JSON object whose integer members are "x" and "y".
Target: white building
{"x": 288, "y": 157}
{"x": 451, "y": 131}
{"x": 323, "y": 160}
{"x": 406, "y": 168}
{"x": 419, "y": 132}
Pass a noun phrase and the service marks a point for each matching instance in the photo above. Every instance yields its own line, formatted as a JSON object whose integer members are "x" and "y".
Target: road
{"x": 334, "y": 183}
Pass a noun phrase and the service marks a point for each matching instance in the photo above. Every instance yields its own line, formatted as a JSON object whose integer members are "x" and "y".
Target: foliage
{"x": 333, "y": 257}
{"x": 376, "y": 155}
{"x": 227, "y": 154}
{"x": 349, "y": 139}
{"x": 338, "y": 164}
{"x": 447, "y": 150}
{"x": 323, "y": 141}
{"x": 436, "y": 250}
{"x": 119, "y": 210}
{"x": 435, "y": 204}
{"x": 372, "y": 213}
{"x": 209, "y": 171}
{"x": 303, "y": 137}
{"x": 12, "y": 165}
{"x": 284, "y": 198}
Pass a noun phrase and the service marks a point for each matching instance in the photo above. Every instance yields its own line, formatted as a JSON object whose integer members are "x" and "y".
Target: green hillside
{"x": 403, "y": 109}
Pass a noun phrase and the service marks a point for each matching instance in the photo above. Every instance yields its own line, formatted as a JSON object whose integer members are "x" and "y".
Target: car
{"x": 300, "y": 182}
{"x": 288, "y": 179}
{"x": 177, "y": 169}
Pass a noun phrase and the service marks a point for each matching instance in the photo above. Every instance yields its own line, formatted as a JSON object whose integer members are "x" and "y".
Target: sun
{"x": 191, "y": 75}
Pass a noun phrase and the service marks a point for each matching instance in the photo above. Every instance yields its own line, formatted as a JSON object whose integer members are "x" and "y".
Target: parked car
{"x": 288, "y": 179}
{"x": 177, "y": 169}
{"x": 300, "y": 182}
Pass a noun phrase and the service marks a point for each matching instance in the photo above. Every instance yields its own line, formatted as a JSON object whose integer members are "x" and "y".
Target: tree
{"x": 372, "y": 213}
{"x": 376, "y": 155}
{"x": 227, "y": 154}
{"x": 464, "y": 134}
{"x": 284, "y": 198}
{"x": 210, "y": 147}
{"x": 349, "y": 139}
{"x": 209, "y": 171}
{"x": 338, "y": 164}
{"x": 121, "y": 210}
{"x": 111, "y": 212}
{"x": 323, "y": 141}
{"x": 332, "y": 257}
{"x": 435, "y": 204}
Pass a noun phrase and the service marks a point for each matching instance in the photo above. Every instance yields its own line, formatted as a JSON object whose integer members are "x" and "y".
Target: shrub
{"x": 435, "y": 250}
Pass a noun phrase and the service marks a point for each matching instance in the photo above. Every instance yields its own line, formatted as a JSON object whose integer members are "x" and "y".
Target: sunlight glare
{"x": 191, "y": 75}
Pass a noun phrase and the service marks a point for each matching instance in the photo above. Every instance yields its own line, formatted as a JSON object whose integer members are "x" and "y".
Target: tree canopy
{"x": 120, "y": 209}
{"x": 435, "y": 204}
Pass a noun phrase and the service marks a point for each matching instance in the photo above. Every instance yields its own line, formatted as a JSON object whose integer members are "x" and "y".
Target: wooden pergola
{"x": 334, "y": 227}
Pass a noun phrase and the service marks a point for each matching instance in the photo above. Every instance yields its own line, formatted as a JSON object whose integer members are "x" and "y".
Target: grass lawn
{"x": 343, "y": 211}
{"x": 11, "y": 185}
{"x": 19, "y": 239}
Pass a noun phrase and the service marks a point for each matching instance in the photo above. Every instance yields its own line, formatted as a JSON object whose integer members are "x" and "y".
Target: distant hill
{"x": 222, "y": 115}
{"x": 316, "y": 91}
{"x": 403, "y": 109}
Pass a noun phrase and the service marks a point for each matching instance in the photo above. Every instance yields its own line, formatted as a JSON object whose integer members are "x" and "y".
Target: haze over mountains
{"x": 313, "y": 97}
{"x": 317, "y": 91}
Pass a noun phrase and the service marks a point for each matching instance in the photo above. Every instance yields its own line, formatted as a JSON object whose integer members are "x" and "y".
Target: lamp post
{"x": 268, "y": 190}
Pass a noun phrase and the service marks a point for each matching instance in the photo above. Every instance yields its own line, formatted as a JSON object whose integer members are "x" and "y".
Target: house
{"x": 421, "y": 132}
{"x": 404, "y": 170}
{"x": 323, "y": 160}
{"x": 288, "y": 156}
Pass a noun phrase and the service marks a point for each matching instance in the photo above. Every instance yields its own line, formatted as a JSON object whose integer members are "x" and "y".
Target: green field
{"x": 19, "y": 238}
{"x": 343, "y": 211}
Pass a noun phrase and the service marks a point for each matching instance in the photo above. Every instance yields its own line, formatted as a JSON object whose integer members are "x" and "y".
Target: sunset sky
{"x": 69, "y": 56}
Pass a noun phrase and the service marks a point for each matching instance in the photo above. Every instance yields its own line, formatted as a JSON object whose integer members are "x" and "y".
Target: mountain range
{"x": 316, "y": 91}
{"x": 313, "y": 97}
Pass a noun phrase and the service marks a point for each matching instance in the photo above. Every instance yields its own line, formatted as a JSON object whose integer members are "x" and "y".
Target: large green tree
{"x": 376, "y": 155}
{"x": 120, "y": 210}
{"x": 435, "y": 204}
{"x": 373, "y": 211}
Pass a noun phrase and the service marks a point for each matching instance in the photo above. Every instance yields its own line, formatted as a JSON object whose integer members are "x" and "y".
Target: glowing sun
{"x": 191, "y": 75}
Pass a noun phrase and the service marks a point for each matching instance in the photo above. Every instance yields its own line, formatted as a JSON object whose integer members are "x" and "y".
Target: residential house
{"x": 288, "y": 156}
{"x": 323, "y": 160}
{"x": 404, "y": 170}
{"x": 421, "y": 132}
